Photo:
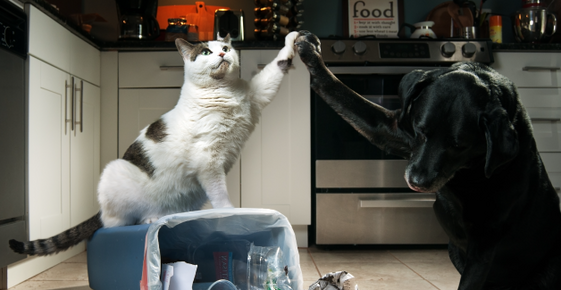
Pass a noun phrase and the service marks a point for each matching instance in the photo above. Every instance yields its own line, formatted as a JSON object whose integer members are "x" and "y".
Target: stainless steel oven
{"x": 361, "y": 196}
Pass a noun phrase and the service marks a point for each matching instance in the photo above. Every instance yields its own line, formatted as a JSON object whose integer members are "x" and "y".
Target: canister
{"x": 496, "y": 28}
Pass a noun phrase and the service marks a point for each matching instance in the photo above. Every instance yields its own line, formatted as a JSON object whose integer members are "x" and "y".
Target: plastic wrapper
{"x": 207, "y": 236}
{"x": 266, "y": 269}
{"x": 335, "y": 281}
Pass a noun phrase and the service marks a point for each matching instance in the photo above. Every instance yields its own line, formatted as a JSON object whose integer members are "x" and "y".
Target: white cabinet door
{"x": 84, "y": 152}
{"x": 48, "y": 40}
{"x": 530, "y": 69}
{"x": 138, "y": 108}
{"x": 49, "y": 164}
{"x": 276, "y": 169}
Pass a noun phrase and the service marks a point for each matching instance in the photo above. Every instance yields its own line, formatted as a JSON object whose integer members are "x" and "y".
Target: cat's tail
{"x": 60, "y": 242}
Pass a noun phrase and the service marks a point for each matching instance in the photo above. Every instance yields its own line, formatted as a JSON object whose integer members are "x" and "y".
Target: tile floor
{"x": 374, "y": 269}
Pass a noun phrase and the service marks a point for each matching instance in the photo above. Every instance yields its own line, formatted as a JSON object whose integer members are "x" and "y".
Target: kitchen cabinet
{"x": 276, "y": 161}
{"x": 537, "y": 77}
{"x": 63, "y": 149}
{"x": 63, "y": 136}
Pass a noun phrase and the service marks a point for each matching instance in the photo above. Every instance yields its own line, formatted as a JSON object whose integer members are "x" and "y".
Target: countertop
{"x": 144, "y": 45}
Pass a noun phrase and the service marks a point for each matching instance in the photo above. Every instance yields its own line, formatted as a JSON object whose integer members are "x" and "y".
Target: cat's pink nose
{"x": 222, "y": 54}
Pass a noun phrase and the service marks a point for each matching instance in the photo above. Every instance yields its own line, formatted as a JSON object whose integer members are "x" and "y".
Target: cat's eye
{"x": 206, "y": 51}
{"x": 225, "y": 49}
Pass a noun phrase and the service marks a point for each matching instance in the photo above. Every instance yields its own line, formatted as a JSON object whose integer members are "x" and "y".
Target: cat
{"x": 180, "y": 162}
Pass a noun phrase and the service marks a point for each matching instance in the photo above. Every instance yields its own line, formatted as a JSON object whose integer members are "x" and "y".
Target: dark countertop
{"x": 144, "y": 45}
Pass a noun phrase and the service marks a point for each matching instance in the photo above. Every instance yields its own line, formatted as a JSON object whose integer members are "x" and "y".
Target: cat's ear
{"x": 184, "y": 47}
{"x": 227, "y": 39}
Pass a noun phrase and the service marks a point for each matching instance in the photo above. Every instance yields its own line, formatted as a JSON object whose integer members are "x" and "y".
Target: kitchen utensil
{"x": 138, "y": 19}
{"x": 229, "y": 22}
{"x": 423, "y": 30}
{"x": 469, "y": 32}
{"x": 442, "y": 20}
{"x": 533, "y": 23}
{"x": 453, "y": 9}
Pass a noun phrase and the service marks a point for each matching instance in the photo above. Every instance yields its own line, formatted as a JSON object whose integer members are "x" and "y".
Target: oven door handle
{"x": 387, "y": 70}
{"x": 414, "y": 200}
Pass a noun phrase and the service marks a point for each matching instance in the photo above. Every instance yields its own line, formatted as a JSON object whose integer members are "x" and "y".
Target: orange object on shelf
{"x": 199, "y": 14}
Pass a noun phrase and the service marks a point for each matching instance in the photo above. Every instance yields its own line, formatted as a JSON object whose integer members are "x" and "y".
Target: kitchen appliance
{"x": 13, "y": 128}
{"x": 138, "y": 19}
{"x": 533, "y": 23}
{"x": 423, "y": 30}
{"x": 360, "y": 194}
{"x": 229, "y": 22}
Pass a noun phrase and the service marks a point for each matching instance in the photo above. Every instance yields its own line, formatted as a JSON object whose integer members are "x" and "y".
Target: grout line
{"x": 314, "y": 261}
{"x": 413, "y": 270}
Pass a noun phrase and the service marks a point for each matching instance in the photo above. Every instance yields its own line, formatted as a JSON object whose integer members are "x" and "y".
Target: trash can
{"x": 126, "y": 257}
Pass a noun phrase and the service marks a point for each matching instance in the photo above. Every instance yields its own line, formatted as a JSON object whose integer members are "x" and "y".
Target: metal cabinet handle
{"x": 540, "y": 68}
{"x": 546, "y": 119}
{"x": 76, "y": 122}
{"x": 171, "y": 67}
{"x": 66, "y": 120}
{"x": 368, "y": 203}
{"x": 73, "y": 96}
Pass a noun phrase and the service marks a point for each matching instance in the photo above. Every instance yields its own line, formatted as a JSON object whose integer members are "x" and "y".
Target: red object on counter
{"x": 199, "y": 14}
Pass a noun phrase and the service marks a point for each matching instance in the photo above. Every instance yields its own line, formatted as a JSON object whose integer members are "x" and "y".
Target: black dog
{"x": 469, "y": 139}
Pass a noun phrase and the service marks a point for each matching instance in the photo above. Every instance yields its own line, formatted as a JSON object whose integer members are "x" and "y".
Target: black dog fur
{"x": 468, "y": 138}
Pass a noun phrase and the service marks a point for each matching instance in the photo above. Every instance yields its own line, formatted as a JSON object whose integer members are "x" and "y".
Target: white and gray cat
{"x": 180, "y": 162}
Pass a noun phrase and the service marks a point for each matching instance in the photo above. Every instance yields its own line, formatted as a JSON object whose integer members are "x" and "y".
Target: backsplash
{"x": 325, "y": 17}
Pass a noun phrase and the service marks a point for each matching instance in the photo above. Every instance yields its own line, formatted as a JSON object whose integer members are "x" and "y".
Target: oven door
{"x": 361, "y": 196}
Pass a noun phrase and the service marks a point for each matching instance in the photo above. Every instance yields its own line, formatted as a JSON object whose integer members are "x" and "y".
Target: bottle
{"x": 263, "y": 11}
{"x": 275, "y": 18}
{"x": 496, "y": 28}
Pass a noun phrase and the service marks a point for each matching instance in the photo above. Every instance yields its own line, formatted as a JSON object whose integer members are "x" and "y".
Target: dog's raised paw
{"x": 309, "y": 48}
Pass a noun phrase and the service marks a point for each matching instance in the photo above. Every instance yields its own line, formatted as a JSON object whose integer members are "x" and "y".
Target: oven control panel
{"x": 13, "y": 29}
{"x": 406, "y": 52}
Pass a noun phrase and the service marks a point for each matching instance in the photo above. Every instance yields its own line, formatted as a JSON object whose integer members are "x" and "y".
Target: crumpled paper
{"x": 335, "y": 281}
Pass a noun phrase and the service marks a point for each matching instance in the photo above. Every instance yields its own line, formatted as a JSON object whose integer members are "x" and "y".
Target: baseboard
{"x": 31, "y": 266}
{"x": 301, "y": 232}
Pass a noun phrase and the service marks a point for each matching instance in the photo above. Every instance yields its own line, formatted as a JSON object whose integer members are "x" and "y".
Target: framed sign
{"x": 379, "y": 18}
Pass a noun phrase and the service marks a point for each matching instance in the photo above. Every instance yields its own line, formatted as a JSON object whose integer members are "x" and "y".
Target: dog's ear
{"x": 413, "y": 84}
{"x": 501, "y": 138}
{"x": 409, "y": 88}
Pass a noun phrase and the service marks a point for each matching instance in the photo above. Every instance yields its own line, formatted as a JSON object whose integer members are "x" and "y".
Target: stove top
{"x": 405, "y": 51}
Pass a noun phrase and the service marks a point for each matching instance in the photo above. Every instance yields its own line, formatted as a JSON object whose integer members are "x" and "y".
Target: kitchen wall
{"x": 324, "y": 17}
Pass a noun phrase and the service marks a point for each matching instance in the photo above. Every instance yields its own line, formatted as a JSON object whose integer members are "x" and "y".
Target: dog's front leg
{"x": 374, "y": 122}
{"x": 478, "y": 264}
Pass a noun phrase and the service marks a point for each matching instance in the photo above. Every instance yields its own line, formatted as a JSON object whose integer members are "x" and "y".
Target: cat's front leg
{"x": 214, "y": 185}
{"x": 265, "y": 85}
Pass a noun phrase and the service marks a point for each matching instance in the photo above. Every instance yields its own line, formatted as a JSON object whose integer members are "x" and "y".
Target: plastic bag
{"x": 266, "y": 269}
{"x": 180, "y": 237}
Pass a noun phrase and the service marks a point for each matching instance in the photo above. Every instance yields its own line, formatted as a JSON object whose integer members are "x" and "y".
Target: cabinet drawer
{"x": 530, "y": 69}
{"x": 396, "y": 218}
{"x": 552, "y": 163}
{"x": 143, "y": 69}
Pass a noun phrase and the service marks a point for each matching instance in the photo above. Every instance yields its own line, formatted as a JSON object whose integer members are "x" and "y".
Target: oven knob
{"x": 469, "y": 49}
{"x": 448, "y": 49}
{"x": 338, "y": 47}
{"x": 359, "y": 47}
